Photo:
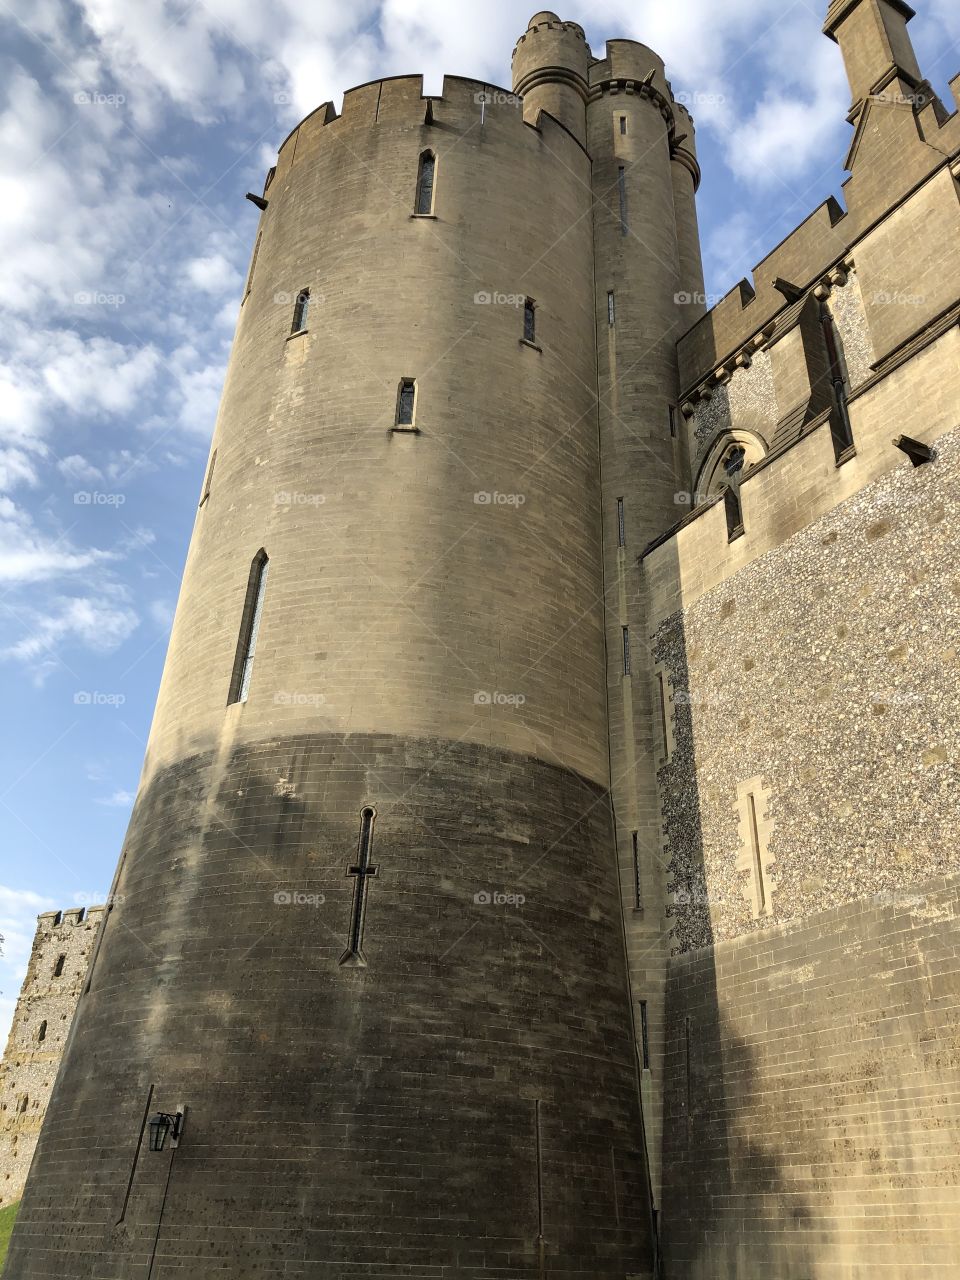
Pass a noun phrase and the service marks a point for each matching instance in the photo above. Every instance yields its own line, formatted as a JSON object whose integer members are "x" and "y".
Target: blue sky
{"x": 129, "y": 135}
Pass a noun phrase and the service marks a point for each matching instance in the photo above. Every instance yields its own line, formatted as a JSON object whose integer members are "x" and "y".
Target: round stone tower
{"x": 649, "y": 291}
{"x": 365, "y": 934}
{"x": 366, "y": 938}
{"x": 551, "y": 64}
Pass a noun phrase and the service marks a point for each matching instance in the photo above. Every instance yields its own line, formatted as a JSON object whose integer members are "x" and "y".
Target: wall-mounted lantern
{"x": 163, "y": 1126}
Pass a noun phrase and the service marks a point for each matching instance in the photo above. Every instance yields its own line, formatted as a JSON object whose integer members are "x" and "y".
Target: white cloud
{"x": 77, "y": 470}
{"x": 16, "y": 467}
{"x": 213, "y": 274}
{"x": 161, "y": 611}
{"x": 98, "y": 624}
{"x": 197, "y": 386}
{"x": 29, "y": 555}
{"x": 118, "y": 800}
{"x": 97, "y": 375}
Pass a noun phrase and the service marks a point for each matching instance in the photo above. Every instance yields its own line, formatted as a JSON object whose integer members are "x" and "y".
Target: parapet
{"x": 803, "y": 258}
{"x": 70, "y": 917}
{"x": 629, "y": 60}
{"x": 400, "y": 101}
{"x": 544, "y": 22}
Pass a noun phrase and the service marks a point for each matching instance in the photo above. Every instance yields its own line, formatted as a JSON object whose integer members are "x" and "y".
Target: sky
{"x": 129, "y": 134}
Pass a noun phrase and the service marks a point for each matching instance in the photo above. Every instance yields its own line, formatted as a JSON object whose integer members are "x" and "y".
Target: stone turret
{"x": 550, "y": 69}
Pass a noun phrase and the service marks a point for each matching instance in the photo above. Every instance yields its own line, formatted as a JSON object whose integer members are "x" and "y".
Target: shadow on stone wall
{"x": 467, "y": 1088}
{"x": 729, "y": 1211}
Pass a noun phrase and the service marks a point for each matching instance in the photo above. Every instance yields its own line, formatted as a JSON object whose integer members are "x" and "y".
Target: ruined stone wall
{"x": 47, "y": 1000}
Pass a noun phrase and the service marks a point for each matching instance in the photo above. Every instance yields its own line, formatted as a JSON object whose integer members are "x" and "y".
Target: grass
{"x": 7, "y": 1217}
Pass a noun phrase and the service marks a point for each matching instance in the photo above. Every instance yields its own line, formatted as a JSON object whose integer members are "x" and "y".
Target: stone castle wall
{"x": 829, "y": 668}
{"x": 776, "y": 696}
{"x": 814, "y": 1096}
{"x": 55, "y": 975}
{"x": 810, "y": 759}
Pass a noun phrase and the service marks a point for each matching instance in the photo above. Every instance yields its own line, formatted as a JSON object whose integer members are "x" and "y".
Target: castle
{"x": 544, "y": 862}
{"x": 42, "y": 1019}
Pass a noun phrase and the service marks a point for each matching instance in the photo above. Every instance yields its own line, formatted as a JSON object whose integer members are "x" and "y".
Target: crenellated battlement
{"x": 910, "y": 141}
{"x": 547, "y": 21}
{"x": 400, "y": 102}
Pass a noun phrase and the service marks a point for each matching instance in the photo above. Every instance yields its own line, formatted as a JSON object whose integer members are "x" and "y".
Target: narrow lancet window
{"x": 42, "y": 1032}
{"x": 611, "y": 308}
{"x": 623, "y": 124}
{"x": 208, "y": 479}
{"x": 626, "y": 651}
{"x": 637, "y": 881}
{"x": 58, "y": 967}
{"x": 406, "y": 402}
{"x": 621, "y": 524}
{"x": 249, "y": 628}
{"x": 253, "y": 264}
{"x": 644, "y": 1036}
{"x": 664, "y": 735}
{"x": 733, "y": 464}
{"x": 300, "y": 311}
{"x": 426, "y": 181}
{"x": 841, "y": 428}
{"x": 756, "y": 855}
{"x": 529, "y": 321}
